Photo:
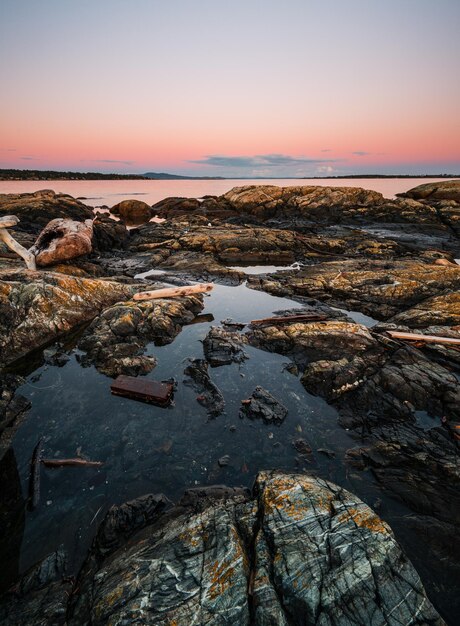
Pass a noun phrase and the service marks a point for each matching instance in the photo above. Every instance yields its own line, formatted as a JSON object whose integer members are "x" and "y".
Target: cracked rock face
{"x": 300, "y": 550}
{"x": 38, "y": 307}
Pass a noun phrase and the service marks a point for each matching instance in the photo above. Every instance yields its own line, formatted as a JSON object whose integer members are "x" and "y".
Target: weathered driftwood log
{"x": 9, "y": 221}
{"x": 426, "y": 338}
{"x": 71, "y": 463}
{"x": 63, "y": 239}
{"x": 34, "y": 478}
{"x": 173, "y": 292}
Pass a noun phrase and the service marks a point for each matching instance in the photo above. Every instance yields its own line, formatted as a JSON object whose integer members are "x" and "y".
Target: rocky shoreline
{"x": 343, "y": 251}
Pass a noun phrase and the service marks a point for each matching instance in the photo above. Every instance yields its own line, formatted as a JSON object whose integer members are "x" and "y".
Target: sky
{"x": 231, "y": 88}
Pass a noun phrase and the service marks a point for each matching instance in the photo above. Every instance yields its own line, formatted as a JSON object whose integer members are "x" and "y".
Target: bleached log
{"x": 8, "y": 222}
{"x": 426, "y": 338}
{"x": 173, "y": 292}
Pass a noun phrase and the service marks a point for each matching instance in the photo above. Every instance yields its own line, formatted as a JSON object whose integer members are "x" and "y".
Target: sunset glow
{"x": 240, "y": 89}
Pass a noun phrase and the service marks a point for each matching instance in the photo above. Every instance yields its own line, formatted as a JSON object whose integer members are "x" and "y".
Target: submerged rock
{"x": 262, "y": 405}
{"x": 62, "y": 240}
{"x": 222, "y": 347}
{"x": 210, "y": 395}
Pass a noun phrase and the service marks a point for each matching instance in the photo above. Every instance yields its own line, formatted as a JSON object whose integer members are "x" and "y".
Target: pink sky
{"x": 264, "y": 89}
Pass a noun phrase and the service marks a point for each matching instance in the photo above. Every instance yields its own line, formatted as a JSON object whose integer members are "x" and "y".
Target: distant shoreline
{"x": 51, "y": 175}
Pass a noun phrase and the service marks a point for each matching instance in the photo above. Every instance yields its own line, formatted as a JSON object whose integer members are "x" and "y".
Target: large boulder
{"x": 38, "y": 307}
{"x": 35, "y": 210}
{"x": 62, "y": 240}
{"x": 443, "y": 190}
{"x": 133, "y": 212}
{"x": 300, "y": 550}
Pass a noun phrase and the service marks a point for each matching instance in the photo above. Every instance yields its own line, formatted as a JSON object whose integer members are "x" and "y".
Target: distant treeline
{"x": 52, "y": 175}
{"x": 385, "y": 176}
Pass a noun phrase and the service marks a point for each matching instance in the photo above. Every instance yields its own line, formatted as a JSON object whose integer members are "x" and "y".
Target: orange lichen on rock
{"x": 364, "y": 519}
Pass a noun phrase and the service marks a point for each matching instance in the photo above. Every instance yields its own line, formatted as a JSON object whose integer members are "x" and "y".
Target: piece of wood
{"x": 12, "y": 244}
{"x": 71, "y": 463}
{"x": 173, "y": 292}
{"x": 143, "y": 390}
{"x": 34, "y": 477}
{"x": 423, "y": 338}
{"x": 289, "y": 319}
{"x": 159, "y": 244}
{"x": 8, "y": 221}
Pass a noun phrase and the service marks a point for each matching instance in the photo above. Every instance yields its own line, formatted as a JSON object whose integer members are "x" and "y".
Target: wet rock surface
{"x": 262, "y": 405}
{"x": 299, "y": 550}
{"x": 222, "y": 347}
{"x": 38, "y": 307}
{"x": 377, "y": 288}
{"x": 115, "y": 340}
{"x": 210, "y": 395}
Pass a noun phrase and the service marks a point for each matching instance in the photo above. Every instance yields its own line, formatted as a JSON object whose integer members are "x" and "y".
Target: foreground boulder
{"x": 62, "y": 240}
{"x": 300, "y": 550}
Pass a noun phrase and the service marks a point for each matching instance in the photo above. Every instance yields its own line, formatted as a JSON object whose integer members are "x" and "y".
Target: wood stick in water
{"x": 287, "y": 319}
{"x": 71, "y": 463}
{"x": 173, "y": 292}
{"x": 34, "y": 478}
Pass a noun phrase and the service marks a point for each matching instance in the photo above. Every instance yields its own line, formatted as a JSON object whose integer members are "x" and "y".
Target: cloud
{"x": 29, "y": 158}
{"x": 8, "y": 149}
{"x": 260, "y": 160}
{"x": 107, "y": 161}
{"x": 326, "y": 150}
{"x": 361, "y": 153}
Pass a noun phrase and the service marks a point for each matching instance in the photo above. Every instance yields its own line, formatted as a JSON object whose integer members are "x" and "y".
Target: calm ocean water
{"x": 110, "y": 192}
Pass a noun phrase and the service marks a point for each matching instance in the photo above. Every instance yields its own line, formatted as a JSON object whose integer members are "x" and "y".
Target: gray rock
{"x": 222, "y": 347}
{"x": 262, "y": 405}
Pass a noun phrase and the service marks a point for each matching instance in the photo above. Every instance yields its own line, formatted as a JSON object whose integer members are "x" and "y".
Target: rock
{"x": 210, "y": 395}
{"x": 13, "y": 407}
{"x": 224, "y": 461}
{"x": 35, "y": 210}
{"x": 109, "y": 234}
{"x": 262, "y": 405}
{"x": 116, "y": 339}
{"x": 133, "y": 212}
{"x": 301, "y": 550}
{"x": 443, "y": 190}
{"x": 442, "y": 310}
{"x": 37, "y": 307}
{"x": 380, "y": 289}
{"x": 12, "y": 517}
{"x": 302, "y": 446}
{"x": 222, "y": 347}
{"x": 62, "y": 240}
{"x": 41, "y": 596}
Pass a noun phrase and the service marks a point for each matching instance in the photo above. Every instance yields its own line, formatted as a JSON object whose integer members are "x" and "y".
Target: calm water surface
{"x": 110, "y": 192}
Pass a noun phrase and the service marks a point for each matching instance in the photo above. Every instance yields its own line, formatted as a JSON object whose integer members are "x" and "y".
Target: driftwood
{"x": 34, "y": 478}
{"x": 143, "y": 389}
{"x": 288, "y": 319}
{"x": 8, "y": 222}
{"x": 173, "y": 292}
{"x": 159, "y": 244}
{"x": 71, "y": 463}
{"x": 423, "y": 338}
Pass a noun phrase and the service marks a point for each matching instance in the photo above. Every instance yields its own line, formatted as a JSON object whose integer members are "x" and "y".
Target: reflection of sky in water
{"x": 147, "y": 449}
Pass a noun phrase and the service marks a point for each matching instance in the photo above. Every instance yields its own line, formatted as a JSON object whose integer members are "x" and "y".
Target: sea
{"x": 109, "y": 192}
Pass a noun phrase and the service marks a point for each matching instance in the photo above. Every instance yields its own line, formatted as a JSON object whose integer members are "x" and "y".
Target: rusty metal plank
{"x": 143, "y": 390}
